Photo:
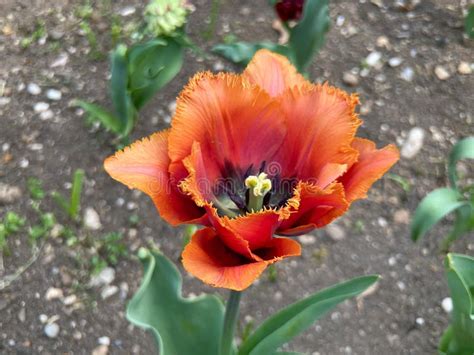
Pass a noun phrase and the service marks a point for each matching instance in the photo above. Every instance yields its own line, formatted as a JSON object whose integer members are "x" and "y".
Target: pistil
{"x": 258, "y": 186}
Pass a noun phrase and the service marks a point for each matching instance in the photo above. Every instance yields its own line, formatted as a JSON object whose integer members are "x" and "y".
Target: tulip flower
{"x": 289, "y": 10}
{"x": 256, "y": 158}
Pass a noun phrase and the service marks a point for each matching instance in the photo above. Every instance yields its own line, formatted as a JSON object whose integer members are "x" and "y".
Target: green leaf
{"x": 180, "y": 325}
{"x": 242, "y": 52}
{"x": 436, "y": 205}
{"x": 469, "y": 23}
{"x": 458, "y": 339}
{"x": 464, "y": 149}
{"x": 119, "y": 90}
{"x": 109, "y": 121}
{"x": 153, "y": 65}
{"x": 75, "y": 201}
{"x": 308, "y": 36}
{"x": 294, "y": 319}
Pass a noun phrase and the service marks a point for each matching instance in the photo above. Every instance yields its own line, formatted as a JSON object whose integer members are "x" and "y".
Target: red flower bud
{"x": 289, "y": 9}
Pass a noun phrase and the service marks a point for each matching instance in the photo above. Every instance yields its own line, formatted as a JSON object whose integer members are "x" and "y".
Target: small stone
{"x": 402, "y": 216}
{"x": 108, "y": 291}
{"x": 101, "y": 350}
{"x": 9, "y": 193}
{"x": 92, "y": 219}
{"x": 278, "y": 296}
{"x": 60, "y": 61}
{"x": 51, "y": 330}
{"x": 395, "y": 62}
{"x": 127, "y": 11}
{"x": 70, "y": 300}
{"x": 4, "y": 101}
{"x": 413, "y": 143}
{"x": 43, "y": 318}
{"x": 350, "y": 79}
{"x": 464, "y": 68}
{"x": 401, "y": 285}
{"x": 105, "y": 277}
{"x": 383, "y": 42}
{"x": 54, "y": 95}
{"x": 77, "y": 335}
{"x": 441, "y": 73}
{"x": 420, "y": 321}
{"x": 407, "y": 74}
{"x": 335, "y": 232}
{"x": 35, "y": 147}
{"x": 23, "y": 163}
{"x": 104, "y": 341}
{"x": 33, "y": 89}
{"x": 447, "y": 304}
{"x": 172, "y": 107}
{"x": 392, "y": 261}
{"x": 22, "y": 315}
{"x": 307, "y": 239}
{"x": 56, "y": 34}
{"x": 378, "y": 3}
{"x": 53, "y": 293}
{"x": 46, "y": 115}
{"x": 41, "y": 107}
{"x": 373, "y": 59}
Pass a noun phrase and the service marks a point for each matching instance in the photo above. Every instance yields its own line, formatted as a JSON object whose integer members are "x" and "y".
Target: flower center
{"x": 258, "y": 186}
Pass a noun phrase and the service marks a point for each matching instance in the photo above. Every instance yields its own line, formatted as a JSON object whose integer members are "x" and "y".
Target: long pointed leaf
{"x": 180, "y": 325}
{"x": 459, "y": 337}
{"x": 436, "y": 205}
{"x": 107, "y": 119}
{"x": 464, "y": 149}
{"x": 308, "y": 36}
{"x": 294, "y": 319}
{"x": 119, "y": 90}
{"x": 242, "y": 52}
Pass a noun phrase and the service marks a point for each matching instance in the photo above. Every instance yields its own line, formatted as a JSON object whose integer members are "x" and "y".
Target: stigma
{"x": 258, "y": 185}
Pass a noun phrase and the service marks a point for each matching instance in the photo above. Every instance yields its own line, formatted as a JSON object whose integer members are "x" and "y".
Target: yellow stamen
{"x": 259, "y": 186}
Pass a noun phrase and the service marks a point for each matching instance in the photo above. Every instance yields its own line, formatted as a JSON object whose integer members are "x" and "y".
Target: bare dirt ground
{"x": 402, "y": 316}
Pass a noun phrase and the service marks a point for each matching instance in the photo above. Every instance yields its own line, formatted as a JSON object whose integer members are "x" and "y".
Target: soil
{"x": 403, "y": 315}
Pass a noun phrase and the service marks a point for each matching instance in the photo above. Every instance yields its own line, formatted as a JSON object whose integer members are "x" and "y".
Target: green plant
{"x": 38, "y": 33}
{"x": 199, "y": 326}
{"x": 35, "y": 188}
{"x": 39, "y": 231}
{"x": 12, "y": 223}
{"x": 469, "y": 23}
{"x": 306, "y": 39}
{"x": 91, "y": 37}
{"x": 72, "y": 205}
{"x": 139, "y": 71}
{"x": 458, "y": 339}
{"x": 441, "y": 202}
{"x": 109, "y": 250}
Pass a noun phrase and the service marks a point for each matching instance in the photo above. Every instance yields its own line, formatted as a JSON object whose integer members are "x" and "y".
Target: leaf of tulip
{"x": 294, "y": 319}
{"x": 435, "y": 206}
{"x": 119, "y": 90}
{"x": 109, "y": 121}
{"x": 180, "y": 325}
{"x": 153, "y": 65}
{"x": 308, "y": 36}
{"x": 458, "y": 339}
{"x": 469, "y": 23}
{"x": 464, "y": 149}
{"x": 242, "y": 52}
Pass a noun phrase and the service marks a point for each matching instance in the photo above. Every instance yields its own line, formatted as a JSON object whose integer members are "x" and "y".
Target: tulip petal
{"x": 318, "y": 207}
{"x": 370, "y": 166}
{"x": 207, "y": 258}
{"x": 321, "y": 126}
{"x": 234, "y": 121}
{"x": 144, "y": 166}
{"x": 273, "y": 72}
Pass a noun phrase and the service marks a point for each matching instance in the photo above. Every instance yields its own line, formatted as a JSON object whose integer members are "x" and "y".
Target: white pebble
{"x": 127, "y": 11}
{"x": 51, "y": 330}
{"x": 54, "y": 95}
{"x": 41, "y": 107}
{"x": 420, "y": 321}
{"x": 441, "y": 73}
{"x": 395, "y": 62}
{"x": 53, "y": 293}
{"x": 447, "y": 304}
{"x": 373, "y": 59}
{"x": 413, "y": 143}
{"x": 105, "y": 277}
{"x": 407, "y": 74}
{"x": 92, "y": 219}
{"x": 104, "y": 341}
{"x": 33, "y": 89}
{"x": 392, "y": 261}
{"x": 43, "y": 318}
{"x": 109, "y": 291}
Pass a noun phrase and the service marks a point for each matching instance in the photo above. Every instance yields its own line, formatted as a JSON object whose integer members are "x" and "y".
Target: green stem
{"x": 230, "y": 322}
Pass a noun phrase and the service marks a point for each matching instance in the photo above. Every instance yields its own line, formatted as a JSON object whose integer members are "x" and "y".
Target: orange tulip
{"x": 252, "y": 156}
